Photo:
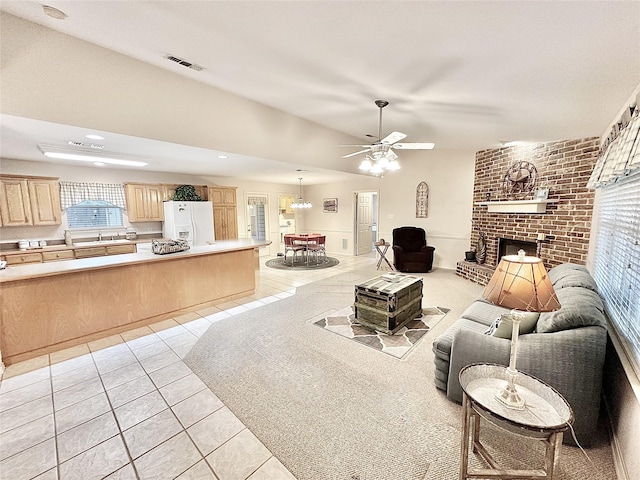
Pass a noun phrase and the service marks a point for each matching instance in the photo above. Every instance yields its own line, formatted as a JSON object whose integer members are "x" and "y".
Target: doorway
{"x": 286, "y": 217}
{"x": 366, "y": 221}
{"x": 257, "y": 207}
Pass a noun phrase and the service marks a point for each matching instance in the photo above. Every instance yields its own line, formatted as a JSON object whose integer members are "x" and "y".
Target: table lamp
{"x": 522, "y": 284}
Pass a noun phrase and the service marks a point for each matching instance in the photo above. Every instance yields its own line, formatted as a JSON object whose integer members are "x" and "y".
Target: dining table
{"x": 305, "y": 240}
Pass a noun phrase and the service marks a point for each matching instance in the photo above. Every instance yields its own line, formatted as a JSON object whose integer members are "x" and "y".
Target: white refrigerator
{"x": 190, "y": 221}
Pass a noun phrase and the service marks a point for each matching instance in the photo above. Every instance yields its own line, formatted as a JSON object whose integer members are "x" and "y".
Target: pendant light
{"x": 300, "y": 203}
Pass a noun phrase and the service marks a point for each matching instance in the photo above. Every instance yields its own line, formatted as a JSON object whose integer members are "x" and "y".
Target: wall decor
{"x": 330, "y": 205}
{"x": 520, "y": 179}
{"x": 422, "y": 200}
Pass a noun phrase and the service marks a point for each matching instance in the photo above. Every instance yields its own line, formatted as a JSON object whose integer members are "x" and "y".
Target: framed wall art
{"x": 422, "y": 200}
{"x": 330, "y": 205}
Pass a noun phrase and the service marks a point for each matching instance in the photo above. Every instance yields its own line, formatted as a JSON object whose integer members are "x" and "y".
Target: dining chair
{"x": 291, "y": 246}
{"x": 318, "y": 246}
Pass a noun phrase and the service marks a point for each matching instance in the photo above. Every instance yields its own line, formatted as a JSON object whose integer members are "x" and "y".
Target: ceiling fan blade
{"x": 356, "y": 153}
{"x": 393, "y": 137}
{"x": 414, "y": 146}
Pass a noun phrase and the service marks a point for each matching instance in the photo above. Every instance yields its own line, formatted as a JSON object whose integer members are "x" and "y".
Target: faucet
{"x": 99, "y": 236}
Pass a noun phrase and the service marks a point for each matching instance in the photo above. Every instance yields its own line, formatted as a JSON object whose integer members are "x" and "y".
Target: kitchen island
{"x": 51, "y": 306}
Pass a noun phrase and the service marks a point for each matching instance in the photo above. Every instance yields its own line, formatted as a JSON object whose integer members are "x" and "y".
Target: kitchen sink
{"x": 101, "y": 242}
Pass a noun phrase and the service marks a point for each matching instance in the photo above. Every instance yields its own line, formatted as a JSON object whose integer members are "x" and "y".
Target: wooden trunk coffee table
{"x": 387, "y": 303}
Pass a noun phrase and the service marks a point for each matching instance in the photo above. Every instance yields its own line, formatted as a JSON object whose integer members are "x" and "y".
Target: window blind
{"x": 617, "y": 260}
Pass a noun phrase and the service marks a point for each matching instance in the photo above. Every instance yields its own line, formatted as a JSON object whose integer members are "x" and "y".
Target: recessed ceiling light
{"x": 53, "y": 12}
{"x": 223, "y": 156}
{"x": 94, "y": 137}
{"x": 99, "y": 164}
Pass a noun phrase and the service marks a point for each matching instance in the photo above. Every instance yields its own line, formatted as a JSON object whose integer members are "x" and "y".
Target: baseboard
{"x": 618, "y": 461}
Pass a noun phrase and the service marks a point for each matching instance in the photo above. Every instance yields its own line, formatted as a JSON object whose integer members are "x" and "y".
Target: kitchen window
{"x": 94, "y": 214}
{"x": 93, "y": 205}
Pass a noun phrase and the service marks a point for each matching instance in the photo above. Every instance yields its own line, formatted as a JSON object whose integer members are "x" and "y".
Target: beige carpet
{"x": 334, "y": 409}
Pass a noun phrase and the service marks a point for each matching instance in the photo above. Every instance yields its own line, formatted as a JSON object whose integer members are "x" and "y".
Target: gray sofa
{"x": 566, "y": 348}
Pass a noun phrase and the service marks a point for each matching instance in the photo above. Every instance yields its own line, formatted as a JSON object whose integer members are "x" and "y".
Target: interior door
{"x": 257, "y": 206}
{"x": 364, "y": 222}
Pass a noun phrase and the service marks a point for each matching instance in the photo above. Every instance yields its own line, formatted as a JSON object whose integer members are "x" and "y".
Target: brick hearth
{"x": 564, "y": 167}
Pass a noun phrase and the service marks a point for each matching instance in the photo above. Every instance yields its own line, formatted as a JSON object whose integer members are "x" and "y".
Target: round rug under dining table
{"x": 301, "y": 264}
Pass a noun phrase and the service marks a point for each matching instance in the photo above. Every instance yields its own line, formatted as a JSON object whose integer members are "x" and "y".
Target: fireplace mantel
{"x": 518, "y": 206}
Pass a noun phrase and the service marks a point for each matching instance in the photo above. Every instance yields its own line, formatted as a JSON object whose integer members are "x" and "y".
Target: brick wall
{"x": 564, "y": 167}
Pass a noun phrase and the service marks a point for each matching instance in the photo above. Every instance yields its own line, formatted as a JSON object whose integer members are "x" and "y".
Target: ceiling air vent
{"x": 184, "y": 63}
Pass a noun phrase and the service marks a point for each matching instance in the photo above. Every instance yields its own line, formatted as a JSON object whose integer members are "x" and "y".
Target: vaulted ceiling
{"x": 465, "y": 75}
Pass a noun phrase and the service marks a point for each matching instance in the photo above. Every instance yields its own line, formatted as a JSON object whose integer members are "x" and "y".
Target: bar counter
{"x": 51, "y": 306}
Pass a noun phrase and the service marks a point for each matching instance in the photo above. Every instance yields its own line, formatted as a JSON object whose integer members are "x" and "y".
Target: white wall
{"x": 449, "y": 174}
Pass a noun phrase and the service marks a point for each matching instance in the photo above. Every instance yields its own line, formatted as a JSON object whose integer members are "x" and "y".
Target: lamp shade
{"x": 521, "y": 283}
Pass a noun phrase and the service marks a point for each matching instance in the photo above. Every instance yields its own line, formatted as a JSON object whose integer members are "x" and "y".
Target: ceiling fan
{"x": 382, "y": 155}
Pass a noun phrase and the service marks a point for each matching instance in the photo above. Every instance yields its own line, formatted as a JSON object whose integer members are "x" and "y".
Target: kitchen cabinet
{"x": 144, "y": 202}
{"x": 201, "y": 190}
{"x": 29, "y": 201}
{"x": 57, "y": 255}
{"x": 101, "y": 251}
{"x": 223, "y": 196}
{"x": 44, "y": 195}
{"x": 285, "y": 203}
{"x": 120, "y": 249}
{"x": 22, "y": 258}
{"x": 225, "y": 212}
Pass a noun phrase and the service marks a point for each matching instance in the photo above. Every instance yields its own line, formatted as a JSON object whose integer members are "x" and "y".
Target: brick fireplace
{"x": 559, "y": 235}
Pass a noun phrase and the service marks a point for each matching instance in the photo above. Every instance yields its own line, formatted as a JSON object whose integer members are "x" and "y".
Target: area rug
{"x": 280, "y": 264}
{"x": 343, "y": 322}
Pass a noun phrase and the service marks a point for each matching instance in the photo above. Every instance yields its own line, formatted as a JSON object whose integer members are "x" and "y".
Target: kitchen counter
{"x": 22, "y": 272}
{"x": 51, "y": 306}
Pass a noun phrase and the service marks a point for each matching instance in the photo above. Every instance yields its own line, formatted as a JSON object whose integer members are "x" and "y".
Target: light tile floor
{"x": 127, "y": 406}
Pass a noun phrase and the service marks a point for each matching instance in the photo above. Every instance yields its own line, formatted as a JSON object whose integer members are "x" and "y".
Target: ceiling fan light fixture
{"x": 376, "y": 169}
{"x": 393, "y": 165}
{"x": 383, "y": 162}
{"x": 366, "y": 164}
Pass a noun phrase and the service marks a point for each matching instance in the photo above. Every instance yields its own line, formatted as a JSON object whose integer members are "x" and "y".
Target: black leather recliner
{"x": 410, "y": 250}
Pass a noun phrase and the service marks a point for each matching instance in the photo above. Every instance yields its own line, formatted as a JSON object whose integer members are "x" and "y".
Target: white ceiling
{"x": 465, "y": 75}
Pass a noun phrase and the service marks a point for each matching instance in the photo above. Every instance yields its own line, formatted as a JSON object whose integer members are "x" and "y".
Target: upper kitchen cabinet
{"x": 45, "y": 201}
{"x": 144, "y": 202}
{"x": 225, "y": 212}
{"x": 29, "y": 201}
{"x": 170, "y": 190}
{"x": 223, "y": 196}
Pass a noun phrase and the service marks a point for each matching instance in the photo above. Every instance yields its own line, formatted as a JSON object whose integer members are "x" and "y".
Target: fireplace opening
{"x": 508, "y": 246}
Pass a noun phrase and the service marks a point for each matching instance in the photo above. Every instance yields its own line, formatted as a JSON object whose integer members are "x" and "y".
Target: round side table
{"x": 545, "y": 417}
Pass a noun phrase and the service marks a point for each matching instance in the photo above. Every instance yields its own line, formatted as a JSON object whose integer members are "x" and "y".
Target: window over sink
{"x": 94, "y": 214}
{"x": 93, "y": 205}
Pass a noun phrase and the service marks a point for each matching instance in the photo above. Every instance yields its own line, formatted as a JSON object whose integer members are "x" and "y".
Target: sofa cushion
{"x": 442, "y": 344}
{"x": 483, "y": 312}
{"x": 580, "y": 307}
{"x": 560, "y": 271}
{"x": 502, "y": 327}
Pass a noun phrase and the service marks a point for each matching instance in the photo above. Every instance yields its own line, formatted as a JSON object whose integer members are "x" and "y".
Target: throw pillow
{"x": 502, "y": 327}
